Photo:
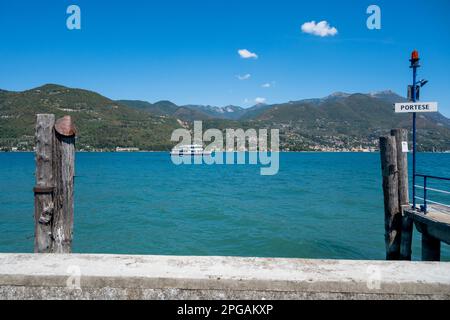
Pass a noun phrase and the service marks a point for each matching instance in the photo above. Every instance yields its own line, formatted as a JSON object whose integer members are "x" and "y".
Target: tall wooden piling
{"x": 55, "y": 163}
{"x": 43, "y": 191}
{"x": 64, "y": 157}
{"x": 401, "y": 141}
{"x": 392, "y": 216}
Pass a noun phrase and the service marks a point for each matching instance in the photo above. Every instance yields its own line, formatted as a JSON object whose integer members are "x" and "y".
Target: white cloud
{"x": 244, "y": 53}
{"x": 266, "y": 85}
{"x": 321, "y": 29}
{"x": 244, "y": 77}
{"x": 260, "y": 100}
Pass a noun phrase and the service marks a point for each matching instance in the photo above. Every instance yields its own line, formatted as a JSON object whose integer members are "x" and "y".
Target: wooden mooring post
{"x": 394, "y": 167}
{"x": 392, "y": 215}
{"x": 55, "y": 163}
{"x": 398, "y": 222}
{"x": 406, "y": 231}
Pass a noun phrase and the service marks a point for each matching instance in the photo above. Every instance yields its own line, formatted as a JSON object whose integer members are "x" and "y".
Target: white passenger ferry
{"x": 189, "y": 150}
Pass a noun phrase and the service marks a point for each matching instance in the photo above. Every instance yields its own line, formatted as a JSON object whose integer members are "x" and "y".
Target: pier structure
{"x": 431, "y": 216}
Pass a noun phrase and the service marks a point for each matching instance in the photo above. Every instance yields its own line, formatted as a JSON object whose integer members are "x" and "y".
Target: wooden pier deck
{"x": 436, "y": 222}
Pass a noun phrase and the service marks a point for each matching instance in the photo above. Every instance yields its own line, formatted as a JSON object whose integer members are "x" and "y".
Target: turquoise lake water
{"x": 320, "y": 205}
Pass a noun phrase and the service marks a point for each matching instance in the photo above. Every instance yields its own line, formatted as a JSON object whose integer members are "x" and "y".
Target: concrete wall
{"x": 30, "y": 276}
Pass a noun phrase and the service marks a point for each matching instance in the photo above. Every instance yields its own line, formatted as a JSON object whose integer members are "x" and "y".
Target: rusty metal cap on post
{"x": 65, "y": 126}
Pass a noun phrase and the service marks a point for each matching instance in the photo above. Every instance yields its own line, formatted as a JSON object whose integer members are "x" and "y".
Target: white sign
{"x": 405, "y": 146}
{"x": 405, "y": 107}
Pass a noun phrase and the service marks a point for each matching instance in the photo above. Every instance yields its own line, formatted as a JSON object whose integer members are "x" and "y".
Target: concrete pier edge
{"x": 100, "y": 276}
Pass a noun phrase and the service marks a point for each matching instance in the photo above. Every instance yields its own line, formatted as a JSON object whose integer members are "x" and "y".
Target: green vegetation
{"x": 101, "y": 122}
{"x": 338, "y": 122}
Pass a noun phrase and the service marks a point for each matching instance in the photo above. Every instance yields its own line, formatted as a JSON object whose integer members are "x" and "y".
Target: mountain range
{"x": 340, "y": 121}
{"x": 186, "y": 112}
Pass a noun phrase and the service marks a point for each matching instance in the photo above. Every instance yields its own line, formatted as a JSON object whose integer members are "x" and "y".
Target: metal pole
{"x": 425, "y": 194}
{"x": 414, "y": 161}
{"x": 414, "y": 66}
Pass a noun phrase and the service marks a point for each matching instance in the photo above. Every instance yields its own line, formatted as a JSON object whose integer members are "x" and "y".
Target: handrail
{"x": 432, "y": 177}
{"x": 435, "y": 202}
{"x": 435, "y": 190}
{"x": 426, "y": 189}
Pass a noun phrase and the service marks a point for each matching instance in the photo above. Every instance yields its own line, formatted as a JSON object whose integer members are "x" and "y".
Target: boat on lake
{"x": 189, "y": 150}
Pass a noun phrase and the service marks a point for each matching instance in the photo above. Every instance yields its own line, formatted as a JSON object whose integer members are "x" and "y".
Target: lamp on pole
{"x": 413, "y": 107}
{"x": 414, "y": 65}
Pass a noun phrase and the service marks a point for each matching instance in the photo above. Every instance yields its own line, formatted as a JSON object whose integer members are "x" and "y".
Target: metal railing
{"x": 426, "y": 190}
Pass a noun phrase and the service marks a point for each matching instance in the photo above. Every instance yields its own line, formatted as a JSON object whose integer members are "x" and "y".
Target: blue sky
{"x": 187, "y": 51}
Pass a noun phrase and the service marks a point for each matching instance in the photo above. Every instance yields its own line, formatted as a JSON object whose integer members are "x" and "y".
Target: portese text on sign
{"x": 416, "y": 107}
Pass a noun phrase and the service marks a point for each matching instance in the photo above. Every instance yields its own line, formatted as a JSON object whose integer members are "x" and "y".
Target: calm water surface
{"x": 320, "y": 205}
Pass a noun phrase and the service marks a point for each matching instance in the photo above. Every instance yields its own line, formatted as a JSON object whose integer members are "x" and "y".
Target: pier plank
{"x": 436, "y": 222}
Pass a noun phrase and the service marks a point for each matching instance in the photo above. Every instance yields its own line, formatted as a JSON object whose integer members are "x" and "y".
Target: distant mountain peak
{"x": 388, "y": 96}
{"x": 382, "y": 92}
{"x": 50, "y": 87}
{"x": 165, "y": 102}
{"x": 339, "y": 94}
{"x": 231, "y": 108}
{"x": 262, "y": 104}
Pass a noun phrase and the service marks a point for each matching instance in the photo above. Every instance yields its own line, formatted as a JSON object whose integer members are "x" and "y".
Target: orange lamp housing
{"x": 415, "y": 55}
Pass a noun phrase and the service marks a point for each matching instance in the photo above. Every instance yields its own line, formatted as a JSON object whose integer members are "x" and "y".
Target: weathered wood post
{"x": 392, "y": 215}
{"x": 64, "y": 158}
{"x": 43, "y": 191}
{"x": 55, "y": 163}
{"x": 401, "y": 140}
